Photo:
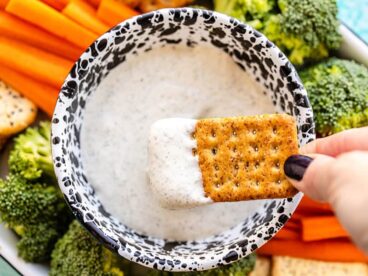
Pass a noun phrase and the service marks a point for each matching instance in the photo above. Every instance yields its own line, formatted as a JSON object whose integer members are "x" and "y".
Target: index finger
{"x": 348, "y": 140}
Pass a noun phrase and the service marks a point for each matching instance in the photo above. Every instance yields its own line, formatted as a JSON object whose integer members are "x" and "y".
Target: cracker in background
{"x": 16, "y": 112}
{"x": 262, "y": 267}
{"x": 242, "y": 158}
{"x": 288, "y": 266}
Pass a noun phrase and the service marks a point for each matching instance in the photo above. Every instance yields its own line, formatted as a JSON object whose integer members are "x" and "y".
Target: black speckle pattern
{"x": 191, "y": 27}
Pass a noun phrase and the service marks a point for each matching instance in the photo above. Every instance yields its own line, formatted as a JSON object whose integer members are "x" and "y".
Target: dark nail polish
{"x": 296, "y": 165}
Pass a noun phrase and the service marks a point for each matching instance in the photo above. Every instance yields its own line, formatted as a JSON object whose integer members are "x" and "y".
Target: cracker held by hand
{"x": 242, "y": 158}
{"x": 196, "y": 162}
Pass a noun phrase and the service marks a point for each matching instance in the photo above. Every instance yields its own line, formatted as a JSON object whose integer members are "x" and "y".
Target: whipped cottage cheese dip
{"x": 174, "y": 81}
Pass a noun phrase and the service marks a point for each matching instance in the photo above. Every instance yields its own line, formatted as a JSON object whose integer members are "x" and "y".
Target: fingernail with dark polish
{"x": 296, "y": 165}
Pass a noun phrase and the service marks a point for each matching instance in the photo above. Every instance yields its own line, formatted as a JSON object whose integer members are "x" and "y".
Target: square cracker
{"x": 262, "y": 267}
{"x": 288, "y": 266}
{"x": 242, "y": 158}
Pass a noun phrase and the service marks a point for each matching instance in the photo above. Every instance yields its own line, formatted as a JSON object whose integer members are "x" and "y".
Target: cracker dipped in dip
{"x": 197, "y": 162}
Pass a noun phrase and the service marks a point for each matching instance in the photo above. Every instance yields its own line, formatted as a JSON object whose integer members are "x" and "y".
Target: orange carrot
{"x": 94, "y": 3}
{"x": 56, "y": 4}
{"x": 86, "y": 6}
{"x": 287, "y": 234}
{"x": 113, "y": 12}
{"x": 3, "y": 3}
{"x": 322, "y": 227}
{"x": 298, "y": 215}
{"x": 51, "y": 20}
{"x": 332, "y": 250}
{"x": 309, "y": 205}
{"x": 36, "y": 52}
{"x": 84, "y": 14}
{"x": 43, "y": 95}
{"x": 15, "y": 28}
{"x": 33, "y": 62}
{"x": 293, "y": 224}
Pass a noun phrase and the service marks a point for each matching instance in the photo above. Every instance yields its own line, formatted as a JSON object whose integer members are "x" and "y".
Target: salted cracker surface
{"x": 242, "y": 158}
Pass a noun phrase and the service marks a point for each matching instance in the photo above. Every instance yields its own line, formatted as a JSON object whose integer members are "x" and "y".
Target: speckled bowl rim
{"x": 100, "y": 235}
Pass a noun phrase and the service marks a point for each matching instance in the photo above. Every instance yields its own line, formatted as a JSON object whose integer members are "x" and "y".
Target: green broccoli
{"x": 78, "y": 253}
{"x": 338, "y": 92}
{"x": 313, "y": 21}
{"x": 305, "y": 30}
{"x": 31, "y": 157}
{"x": 245, "y": 10}
{"x": 33, "y": 207}
{"x": 36, "y": 212}
{"x": 37, "y": 241}
{"x": 240, "y": 268}
{"x": 24, "y": 202}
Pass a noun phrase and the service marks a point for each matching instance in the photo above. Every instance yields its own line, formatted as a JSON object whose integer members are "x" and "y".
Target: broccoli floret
{"x": 30, "y": 203}
{"x": 313, "y": 21}
{"x": 306, "y": 30}
{"x": 240, "y": 268}
{"x": 36, "y": 212}
{"x": 297, "y": 50}
{"x": 78, "y": 253}
{"x": 37, "y": 241}
{"x": 31, "y": 157}
{"x": 24, "y": 202}
{"x": 245, "y": 10}
{"x": 338, "y": 92}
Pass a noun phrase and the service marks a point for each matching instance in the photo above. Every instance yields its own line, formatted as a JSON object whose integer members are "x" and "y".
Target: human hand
{"x": 335, "y": 170}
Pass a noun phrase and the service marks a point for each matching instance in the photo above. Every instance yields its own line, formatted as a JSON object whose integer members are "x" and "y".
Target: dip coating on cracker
{"x": 174, "y": 172}
{"x": 196, "y": 162}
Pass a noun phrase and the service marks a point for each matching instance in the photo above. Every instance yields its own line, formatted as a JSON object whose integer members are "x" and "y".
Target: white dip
{"x": 167, "y": 82}
{"x": 175, "y": 176}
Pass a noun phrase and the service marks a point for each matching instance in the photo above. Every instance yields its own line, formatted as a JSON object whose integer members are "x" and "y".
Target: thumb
{"x": 311, "y": 175}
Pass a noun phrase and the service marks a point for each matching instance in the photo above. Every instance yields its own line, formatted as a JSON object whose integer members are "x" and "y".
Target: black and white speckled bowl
{"x": 191, "y": 27}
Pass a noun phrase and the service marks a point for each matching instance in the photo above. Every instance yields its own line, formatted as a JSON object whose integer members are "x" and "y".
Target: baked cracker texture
{"x": 288, "y": 266}
{"x": 16, "y": 112}
{"x": 242, "y": 158}
{"x": 262, "y": 267}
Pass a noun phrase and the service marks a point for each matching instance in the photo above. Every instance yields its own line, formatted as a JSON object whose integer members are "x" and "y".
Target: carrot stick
{"x": 113, "y": 12}
{"x": 33, "y": 62}
{"x": 293, "y": 224}
{"x": 3, "y": 3}
{"x": 309, "y": 205}
{"x": 43, "y": 95}
{"x": 322, "y": 227}
{"x": 36, "y": 52}
{"x": 15, "y": 28}
{"x": 84, "y": 14}
{"x": 86, "y": 6}
{"x": 94, "y": 3}
{"x": 52, "y": 21}
{"x": 287, "y": 234}
{"x": 298, "y": 215}
{"x": 56, "y": 4}
{"x": 332, "y": 250}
